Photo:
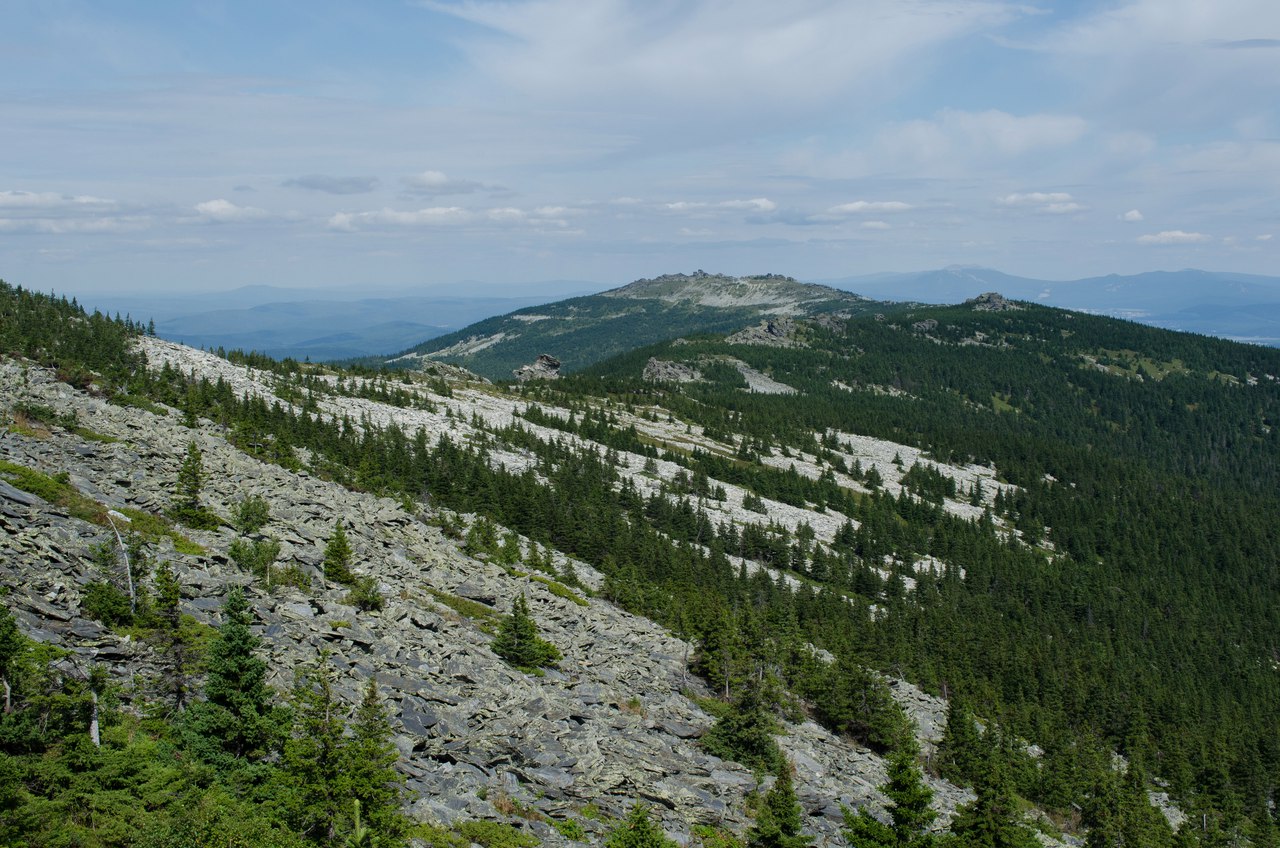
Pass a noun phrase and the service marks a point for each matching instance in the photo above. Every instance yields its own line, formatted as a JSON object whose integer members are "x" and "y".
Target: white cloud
{"x": 739, "y": 59}
{"x": 1050, "y": 202}
{"x": 59, "y": 226}
{"x": 1174, "y": 237}
{"x": 1132, "y": 216}
{"x": 48, "y": 200}
{"x": 755, "y": 204}
{"x": 507, "y": 214}
{"x": 435, "y": 183}
{"x": 222, "y": 211}
{"x": 1035, "y": 198}
{"x": 431, "y": 217}
{"x": 870, "y": 206}
{"x": 874, "y": 225}
{"x": 54, "y": 213}
{"x": 978, "y": 136}
{"x": 1264, "y": 237}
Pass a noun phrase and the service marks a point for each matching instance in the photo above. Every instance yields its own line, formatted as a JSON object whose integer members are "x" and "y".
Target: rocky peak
{"x": 992, "y": 302}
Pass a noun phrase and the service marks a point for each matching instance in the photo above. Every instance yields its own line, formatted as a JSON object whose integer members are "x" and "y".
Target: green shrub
{"x": 107, "y": 604}
{"x": 496, "y": 835}
{"x": 364, "y": 595}
{"x": 570, "y": 829}
{"x": 251, "y": 515}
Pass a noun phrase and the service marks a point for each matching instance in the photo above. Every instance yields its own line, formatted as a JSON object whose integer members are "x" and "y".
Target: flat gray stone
{"x": 13, "y": 493}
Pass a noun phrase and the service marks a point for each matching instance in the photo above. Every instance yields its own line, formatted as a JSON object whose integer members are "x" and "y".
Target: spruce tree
{"x": 637, "y": 830}
{"x": 370, "y": 772}
{"x": 337, "y": 556}
{"x": 169, "y": 616}
{"x": 960, "y": 753}
{"x": 12, "y": 646}
{"x": 908, "y": 809}
{"x": 993, "y": 820}
{"x": 235, "y": 722}
{"x": 313, "y": 763}
{"x": 744, "y": 734}
{"x": 186, "y": 502}
{"x": 779, "y": 820}
{"x": 518, "y": 642}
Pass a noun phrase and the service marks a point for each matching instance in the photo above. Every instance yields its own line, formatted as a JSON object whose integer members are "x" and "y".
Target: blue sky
{"x": 473, "y": 146}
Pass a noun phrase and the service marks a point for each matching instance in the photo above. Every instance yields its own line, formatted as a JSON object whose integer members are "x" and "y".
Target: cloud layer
{"x": 507, "y": 140}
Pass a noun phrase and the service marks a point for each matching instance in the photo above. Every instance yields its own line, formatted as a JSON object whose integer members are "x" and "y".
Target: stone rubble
{"x": 613, "y": 724}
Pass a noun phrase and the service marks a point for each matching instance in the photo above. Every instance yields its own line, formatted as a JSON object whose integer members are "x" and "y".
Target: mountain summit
{"x": 584, "y": 330}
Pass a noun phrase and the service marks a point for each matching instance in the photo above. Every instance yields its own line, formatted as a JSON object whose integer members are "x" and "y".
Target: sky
{"x": 482, "y": 146}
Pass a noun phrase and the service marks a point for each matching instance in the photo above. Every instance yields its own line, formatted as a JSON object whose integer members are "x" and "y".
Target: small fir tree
{"x": 779, "y": 821}
{"x": 337, "y": 557}
{"x": 236, "y": 721}
{"x": 745, "y": 733}
{"x": 518, "y": 642}
{"x": 908, "y": 808}
{"x": 186, "y": 502}
{"x": 168, "y": 616}
{"x": 961, "y": 752}
{"x": 637, "y": 830}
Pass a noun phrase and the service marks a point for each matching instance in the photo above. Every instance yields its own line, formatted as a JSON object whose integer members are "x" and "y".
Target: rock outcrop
{"x": 992, "y": 302}
{"x": 773, "y": 332}
{"x": 545, "y": 367}
{"x": 665, "y": 371}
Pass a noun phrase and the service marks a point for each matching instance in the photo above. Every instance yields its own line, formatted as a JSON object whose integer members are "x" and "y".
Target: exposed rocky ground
{"x": 615, "y": 723}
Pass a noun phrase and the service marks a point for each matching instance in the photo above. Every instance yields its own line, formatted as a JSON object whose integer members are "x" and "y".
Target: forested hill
{"x": 1060, "y": 525}
{"x": 1143, "y": 605}
{"x": 584, "y": 330}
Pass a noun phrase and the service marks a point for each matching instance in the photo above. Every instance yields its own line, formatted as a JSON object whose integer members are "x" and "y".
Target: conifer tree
{"x": 637, "y": 830}
{"x": 169, "y": 617}
{"x": 518, "y": 642}
{"x": 779, "y": 821}
{"x": 960, "y": 753}
{"x": 12, "y": 645}
{"x": 744, "y": 734}
{"x": 993, "y": 820}
{"x": 370, "y": 772}
{"x": 235, "y": 722}
{"x": 313, "y": 759}
{"x": 186, "y": 504}
{"x": 337, "y": 556}
{"x": 908, "y": 808}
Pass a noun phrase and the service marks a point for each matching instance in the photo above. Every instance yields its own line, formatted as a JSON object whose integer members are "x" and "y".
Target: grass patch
{"x": 154, "y": 527}
{"x": 559, "y": 589}
{"x": 136, "y": 402}
{"x": 93, "y": 435}
{"x": 487, "y": 618}
{"x": 56, "y": 490}
{"x": 435, "y": 836}
{"x": 496, "y": 835}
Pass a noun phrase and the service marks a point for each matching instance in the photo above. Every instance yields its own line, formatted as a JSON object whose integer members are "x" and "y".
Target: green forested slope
{"x": 1148, "y": 460}
{"x": 1138, "y": 612}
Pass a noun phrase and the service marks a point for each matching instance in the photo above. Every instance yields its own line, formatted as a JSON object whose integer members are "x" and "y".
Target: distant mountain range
{"x": 319, "y": 324}
{"x": 361, "y": 322}
{"x": 1243, "y": 307}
